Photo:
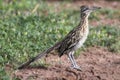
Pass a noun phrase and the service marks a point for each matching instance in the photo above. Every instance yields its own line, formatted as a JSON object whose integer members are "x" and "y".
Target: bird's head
{"x": 86, "y": 10}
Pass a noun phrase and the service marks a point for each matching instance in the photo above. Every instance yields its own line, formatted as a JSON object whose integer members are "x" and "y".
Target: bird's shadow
{"x": 36, "y": 67}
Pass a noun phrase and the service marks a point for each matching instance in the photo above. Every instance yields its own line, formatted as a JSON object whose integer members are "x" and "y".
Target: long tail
{"x": 40, "y": 55}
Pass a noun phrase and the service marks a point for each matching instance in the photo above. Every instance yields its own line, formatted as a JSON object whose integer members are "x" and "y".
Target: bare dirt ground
{"x": 96, "y": 63}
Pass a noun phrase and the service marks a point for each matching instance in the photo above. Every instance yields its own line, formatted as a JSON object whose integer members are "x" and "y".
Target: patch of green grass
{"x": 105, "y": 36}
{"x": 23, "y": 34}
{"x": 110, "y": 13}
{"x": 3, "y": 74}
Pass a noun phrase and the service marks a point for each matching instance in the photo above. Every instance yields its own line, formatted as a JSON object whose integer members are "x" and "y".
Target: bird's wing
{"x": 69, "y": 42}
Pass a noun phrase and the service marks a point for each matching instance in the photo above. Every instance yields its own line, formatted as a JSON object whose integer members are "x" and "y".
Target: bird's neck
{"x": 84, "y": 23}
{"x": 84, "y": 20}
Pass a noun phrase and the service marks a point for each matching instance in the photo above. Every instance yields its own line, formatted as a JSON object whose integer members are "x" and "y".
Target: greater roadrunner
{"x": 74, "y": 39}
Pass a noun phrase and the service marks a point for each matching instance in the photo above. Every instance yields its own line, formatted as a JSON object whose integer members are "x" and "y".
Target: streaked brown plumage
{"x": 73, "y": 40}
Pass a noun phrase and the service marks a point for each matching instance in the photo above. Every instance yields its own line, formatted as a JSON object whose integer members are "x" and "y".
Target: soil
{"x": 96, "y": 63}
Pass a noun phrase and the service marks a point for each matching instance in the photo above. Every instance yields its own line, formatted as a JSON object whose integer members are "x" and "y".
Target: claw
{"x": 76, "y": 67}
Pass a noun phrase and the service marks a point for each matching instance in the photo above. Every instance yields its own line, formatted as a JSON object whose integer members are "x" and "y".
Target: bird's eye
{"x": 85, "y": 9}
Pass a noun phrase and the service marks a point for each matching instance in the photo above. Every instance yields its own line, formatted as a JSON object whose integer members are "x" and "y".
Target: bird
{"x": 72, "y": 41}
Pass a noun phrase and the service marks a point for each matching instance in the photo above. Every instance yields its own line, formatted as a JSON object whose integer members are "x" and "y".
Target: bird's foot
{"x": 76, "y": 67}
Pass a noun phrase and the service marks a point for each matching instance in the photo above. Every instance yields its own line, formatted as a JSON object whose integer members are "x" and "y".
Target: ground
{"x": 96, "y": 63}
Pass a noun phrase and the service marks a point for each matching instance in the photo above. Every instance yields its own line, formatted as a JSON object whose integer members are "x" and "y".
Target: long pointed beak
{"x": 95, "y": 8}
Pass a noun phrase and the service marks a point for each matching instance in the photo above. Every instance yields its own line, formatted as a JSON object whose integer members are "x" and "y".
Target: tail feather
{"x": 40, "y": 55}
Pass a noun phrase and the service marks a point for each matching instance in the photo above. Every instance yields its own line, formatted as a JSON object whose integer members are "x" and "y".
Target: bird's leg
{"x": 71, "y": 57}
